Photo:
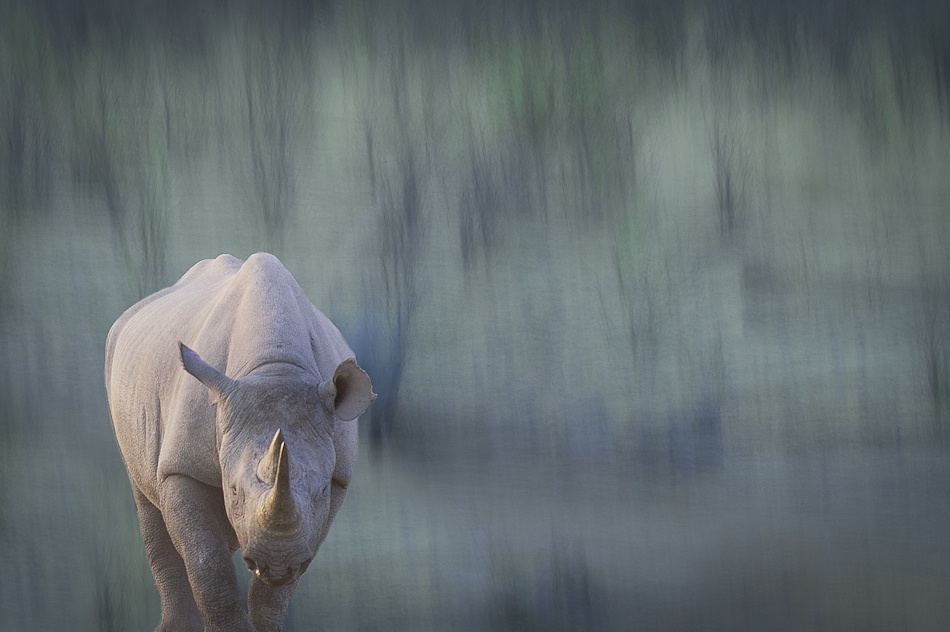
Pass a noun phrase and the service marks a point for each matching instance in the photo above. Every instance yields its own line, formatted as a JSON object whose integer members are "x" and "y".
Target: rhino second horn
{"x": 267, "y": 468}
{"x": 279, "y": 513}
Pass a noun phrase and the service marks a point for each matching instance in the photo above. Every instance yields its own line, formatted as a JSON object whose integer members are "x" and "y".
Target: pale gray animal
{"x": 246, "y": 438}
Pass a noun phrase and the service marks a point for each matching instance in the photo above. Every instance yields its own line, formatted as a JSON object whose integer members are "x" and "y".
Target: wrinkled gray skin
{"x": 245, "y": 438}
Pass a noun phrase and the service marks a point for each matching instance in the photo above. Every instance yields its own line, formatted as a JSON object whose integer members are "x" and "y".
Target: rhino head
{"x": 275, "y": 431}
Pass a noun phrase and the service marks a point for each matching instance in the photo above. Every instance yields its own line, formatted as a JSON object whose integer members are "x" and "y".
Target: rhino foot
{"x": 180, "y": 625}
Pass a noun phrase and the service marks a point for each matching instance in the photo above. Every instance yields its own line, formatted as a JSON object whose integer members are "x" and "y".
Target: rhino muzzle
{"x": 275, "y": 577}
{"x": 278, "y": 513}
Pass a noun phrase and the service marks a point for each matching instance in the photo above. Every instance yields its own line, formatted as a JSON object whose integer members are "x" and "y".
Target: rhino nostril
{"x": 303, "y": 567}
{"x": 252, "y": 566}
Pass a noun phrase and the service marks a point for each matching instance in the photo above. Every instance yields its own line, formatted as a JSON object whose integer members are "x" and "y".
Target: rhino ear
{"x": 349, "y": 392}
{"x": 217, "y": 382}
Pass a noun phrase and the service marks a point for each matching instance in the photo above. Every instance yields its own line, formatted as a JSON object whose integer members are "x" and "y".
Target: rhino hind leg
{"x": 179, "y": 610}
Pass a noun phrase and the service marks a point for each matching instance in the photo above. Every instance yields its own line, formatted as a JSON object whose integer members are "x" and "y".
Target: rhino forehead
{"x": 276, "y": 399}
{"x": 295, "y": 406}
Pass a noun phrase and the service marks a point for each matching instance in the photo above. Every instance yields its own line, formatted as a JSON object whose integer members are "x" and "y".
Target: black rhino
{"x": 245, "y": 438}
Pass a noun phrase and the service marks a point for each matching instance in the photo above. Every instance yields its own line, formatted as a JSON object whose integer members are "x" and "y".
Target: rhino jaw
{"x": 278, "y": 513}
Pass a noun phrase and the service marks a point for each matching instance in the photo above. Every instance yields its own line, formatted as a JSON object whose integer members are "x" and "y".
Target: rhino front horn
{"x": 278, "y": 513}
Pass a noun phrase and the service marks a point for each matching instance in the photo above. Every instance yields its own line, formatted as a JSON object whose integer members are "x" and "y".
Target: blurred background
{"x": 655, "y": 294}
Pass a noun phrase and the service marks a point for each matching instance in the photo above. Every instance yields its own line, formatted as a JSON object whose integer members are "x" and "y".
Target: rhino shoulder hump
{"x": 222, "y": 265}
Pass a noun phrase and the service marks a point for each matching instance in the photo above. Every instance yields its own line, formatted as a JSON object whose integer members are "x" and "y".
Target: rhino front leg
{"x": 267, "y": 605}
{"x": 179, "y": 611}
{"x": 197, "y": 525}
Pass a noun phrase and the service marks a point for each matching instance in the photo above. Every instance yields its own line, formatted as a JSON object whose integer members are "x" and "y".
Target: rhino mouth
{"x": 275, "y": 577}
{"x": 283, "y": 580}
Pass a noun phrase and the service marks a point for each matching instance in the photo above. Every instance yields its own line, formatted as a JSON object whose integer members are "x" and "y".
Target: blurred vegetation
{"x": 618, "y": 267}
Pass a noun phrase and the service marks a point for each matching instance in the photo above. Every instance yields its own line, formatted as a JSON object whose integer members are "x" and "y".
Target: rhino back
{"x": 237, "y": 317}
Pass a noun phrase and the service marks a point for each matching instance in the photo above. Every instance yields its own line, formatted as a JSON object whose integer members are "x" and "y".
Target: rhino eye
{"x": 236, "y": 497}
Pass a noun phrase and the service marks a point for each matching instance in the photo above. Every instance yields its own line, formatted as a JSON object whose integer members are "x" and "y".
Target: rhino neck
{"x": 279, "y": 367}
{"x": 268, "y": 356}
{"x": 270, "y": 324}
